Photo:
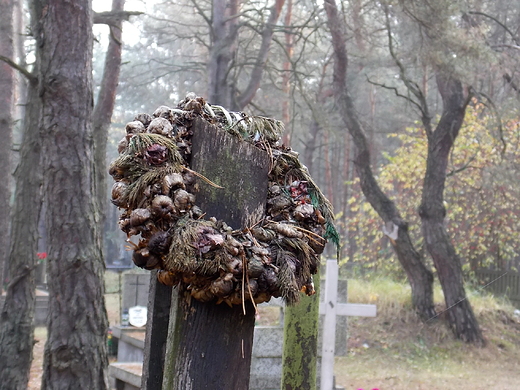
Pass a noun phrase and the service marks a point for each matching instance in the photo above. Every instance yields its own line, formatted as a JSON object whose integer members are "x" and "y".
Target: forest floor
{"x": 396, "y": 350}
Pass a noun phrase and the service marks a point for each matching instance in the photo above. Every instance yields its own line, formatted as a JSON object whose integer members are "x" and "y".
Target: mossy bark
{"x": 299, "y": 357}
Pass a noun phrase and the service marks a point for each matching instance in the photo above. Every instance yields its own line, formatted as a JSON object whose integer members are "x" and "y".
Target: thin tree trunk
{"x": 256, "y": 74}
{"x": 433, "y": 213}
{"x": 75, "y": 355}
{"x": 419, "y": 277}
{"x": 6, "y": 127}
{"x": 224, "y": 35}
{"x": 286, "y": 75}
{"x": 16, "y": 321}
{"x": 102, "y": 115}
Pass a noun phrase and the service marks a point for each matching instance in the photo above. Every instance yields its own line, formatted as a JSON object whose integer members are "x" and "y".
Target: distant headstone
{"x": 135, "y": 290}
{"x": 137, "y": 316}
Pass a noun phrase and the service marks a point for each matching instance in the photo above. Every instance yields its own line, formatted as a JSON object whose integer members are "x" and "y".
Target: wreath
{"x": 156, "y": 190}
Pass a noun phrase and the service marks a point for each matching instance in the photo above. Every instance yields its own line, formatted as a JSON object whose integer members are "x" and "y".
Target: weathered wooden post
{"x": 210, "y": 344}
{"x": 300, "y": 345}
{"x": 159, "y": 304}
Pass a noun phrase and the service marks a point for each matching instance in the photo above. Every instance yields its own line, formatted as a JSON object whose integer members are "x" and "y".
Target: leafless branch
{"x": 19, "y": 68}
{"x": 113, "y": 17}
{"x": 513, "y": 36}
{"x": 201, "y": 12}
{"x": 412, "y": 86}
{"x": 507, "y": 46}
{"x": 462, "y": 168}
{"x": 491, "y": 104}
{"x": 397, "y": 93}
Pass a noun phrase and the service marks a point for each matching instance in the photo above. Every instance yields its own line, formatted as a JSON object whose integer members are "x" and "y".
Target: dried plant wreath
{"x": 156, "y": 189}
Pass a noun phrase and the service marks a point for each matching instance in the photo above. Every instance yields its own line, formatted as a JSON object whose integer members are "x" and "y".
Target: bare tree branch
{"x": 397, "y": 93}
{"x": 497, "y": 22}
{"x": 19, "y": 68}
{"x": 410, "y": 85}
{"x": 256, "y": 75}
{"x": 462, "y": 168}
{"x": 112, "y": 18}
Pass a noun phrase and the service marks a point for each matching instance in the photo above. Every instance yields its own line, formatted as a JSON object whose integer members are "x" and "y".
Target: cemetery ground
{"x": 395, "y": 350}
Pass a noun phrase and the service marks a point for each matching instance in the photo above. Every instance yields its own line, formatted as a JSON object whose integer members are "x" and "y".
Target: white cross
{"x": 331, "y": 308}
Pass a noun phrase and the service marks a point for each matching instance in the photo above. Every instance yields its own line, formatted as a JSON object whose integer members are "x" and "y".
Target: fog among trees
{"x": 405, "y": 112}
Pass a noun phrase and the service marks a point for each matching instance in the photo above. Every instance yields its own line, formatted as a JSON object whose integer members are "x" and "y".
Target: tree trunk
{"x": 16, "y": 321}
{"x": 6, "y": 127}
{"x": 224, "y": 35}
{"x": 75, "y": 353}
{"x": 286, "y": 75}
{"x": 419, "y": 277}
{"x": 433, "y": 213}
{"x": 256, "y": 74}
{"x": 102, "y": 116}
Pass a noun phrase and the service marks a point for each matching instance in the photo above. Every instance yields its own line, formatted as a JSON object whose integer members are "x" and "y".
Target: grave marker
{"x": 331, "y": 308}
{"x": 135, "y": 290}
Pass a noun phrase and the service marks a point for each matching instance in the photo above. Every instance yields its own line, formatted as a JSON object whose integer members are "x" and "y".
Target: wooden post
{"x": 159, "y": 303}
{"x": 299, "y": 357}
{"x": 209, "y": 346}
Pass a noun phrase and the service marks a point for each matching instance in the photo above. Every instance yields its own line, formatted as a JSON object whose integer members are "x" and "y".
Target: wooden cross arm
{"x": 352, "y": 309}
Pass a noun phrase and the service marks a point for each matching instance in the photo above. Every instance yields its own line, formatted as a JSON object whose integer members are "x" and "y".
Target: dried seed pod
{"x": 116, "y": 172}
{"x": 260, "y": 250}
{"x": 189, "y": 178}
{"x": 172, "y": 181}
{"x": 122, "y": 145}
{"x": 160, "y": 242}
{"x": 234, "y": 266}
{"x": 144, "y": 118}
{"x": 160, "y": 126}
{"x": 163, "y": 112}
{"x": 196, "y": 212}
{"x": 270, "y": 279}
{"x": 286, "y": 230}
{"x": 320, "y": 217}
{"x": 255, "y": 267}
{"x": 144, "y": 259}
{"x": 139, "y": 217}
{"x": 234, "y": 299}
{"x": 304, "y": 211}
{"x": 124, "y": 224}
{"x": 162, "y": 207}
{"x": 278, "y": 204}
{"x": 202, "y": 294}
{"x": 193, "y": 105}
{"x": 223, "y": 285}
{"x": 167, "y": 278}
{"x": 133, "y": 128}
{"x": 118, "y": 191}
{"x": 262, "y": 234}
{"x": 274, "y": 190}
{"x": 183, "y": 200}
